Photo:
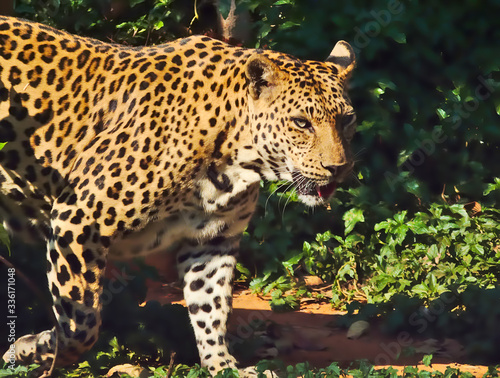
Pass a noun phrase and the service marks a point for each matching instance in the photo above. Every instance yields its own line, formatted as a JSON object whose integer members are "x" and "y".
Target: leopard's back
{"x": 79, "y": 115}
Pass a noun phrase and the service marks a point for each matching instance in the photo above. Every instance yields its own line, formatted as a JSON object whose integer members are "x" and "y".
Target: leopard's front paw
{"x": 250, "y": 372}
{"x": 31, "y": 349}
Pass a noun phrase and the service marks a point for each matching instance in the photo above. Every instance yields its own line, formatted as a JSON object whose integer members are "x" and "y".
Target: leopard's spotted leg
{"x": 207, "y": 271}
{"x": 76, "y": 261}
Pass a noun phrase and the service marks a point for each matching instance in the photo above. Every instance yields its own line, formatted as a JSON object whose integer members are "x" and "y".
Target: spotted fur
{"x": 115, "y": 151}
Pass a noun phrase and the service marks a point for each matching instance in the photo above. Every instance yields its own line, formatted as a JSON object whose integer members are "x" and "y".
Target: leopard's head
{"x": 302, "y": 120}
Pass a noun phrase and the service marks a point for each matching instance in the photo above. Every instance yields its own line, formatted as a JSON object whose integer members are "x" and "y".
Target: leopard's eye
{"x": 302, "y": 123}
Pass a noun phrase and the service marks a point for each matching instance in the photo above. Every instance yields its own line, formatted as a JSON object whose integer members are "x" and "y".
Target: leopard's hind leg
{"x": 76, "y": 259}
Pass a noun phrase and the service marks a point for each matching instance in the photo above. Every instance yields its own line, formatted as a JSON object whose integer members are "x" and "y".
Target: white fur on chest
{"x": 213, "y": 199}
{"x": 205, "y": 218}
{"x": 160, "y": 235}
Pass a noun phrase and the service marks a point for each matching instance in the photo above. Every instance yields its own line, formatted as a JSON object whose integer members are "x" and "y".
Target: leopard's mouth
{"x": 310, "y": 191}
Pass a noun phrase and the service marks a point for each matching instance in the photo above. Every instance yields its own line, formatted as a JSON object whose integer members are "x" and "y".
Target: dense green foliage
{"x": 428, "y": 102}
{"x": 427, "y": 95}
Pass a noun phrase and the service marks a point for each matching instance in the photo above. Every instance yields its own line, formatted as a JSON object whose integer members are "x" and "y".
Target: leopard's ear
{"x": 343, "y": 57}
{"x": 262, "y": 74}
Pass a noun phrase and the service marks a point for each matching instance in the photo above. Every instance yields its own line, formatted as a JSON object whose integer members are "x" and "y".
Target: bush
{"x": 428, "y": 138}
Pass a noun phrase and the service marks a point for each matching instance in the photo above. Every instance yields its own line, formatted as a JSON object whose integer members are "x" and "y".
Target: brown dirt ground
{"x": 308, "y": 335}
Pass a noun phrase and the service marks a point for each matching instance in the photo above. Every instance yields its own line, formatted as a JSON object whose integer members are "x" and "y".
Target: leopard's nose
{"x": 338, "y": 172}
{"x": 332, "y": 168}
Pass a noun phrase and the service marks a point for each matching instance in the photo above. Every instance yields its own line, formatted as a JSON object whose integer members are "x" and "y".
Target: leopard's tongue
{"x": 327, "y": 190}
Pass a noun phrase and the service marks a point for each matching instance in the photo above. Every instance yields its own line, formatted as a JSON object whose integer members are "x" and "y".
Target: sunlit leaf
{"x": 351, "y": 218}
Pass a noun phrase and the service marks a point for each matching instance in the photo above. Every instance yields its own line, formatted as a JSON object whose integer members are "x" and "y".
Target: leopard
{"x": 113, "y": 152}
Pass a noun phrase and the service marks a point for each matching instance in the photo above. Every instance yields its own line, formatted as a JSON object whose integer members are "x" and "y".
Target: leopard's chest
{"x": 161, "y": 235}
{"x": 197, "y": 221}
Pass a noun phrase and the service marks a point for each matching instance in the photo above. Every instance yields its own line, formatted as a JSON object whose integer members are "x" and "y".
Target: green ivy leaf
{"x": 324, "y": 237}
{"x": 353, "y": 239}
{"x": 422, "y": 290}
{"x": 133, "y": 3}
{"x": 433, "y": 252}
{"x": 243, "y": 270}
{"x": 289, "y": 24}
{"x": 477, "y": 248}
{"x": 432, "y": 282}
{"x": 352, "y": 217}
{"x": 427, "y": 360}
{"x": 462, "y": 249}
{"x": 418, "y": 226}
{"x": 346, "y": 270}
{"x": 382, "y": 280}
{"x": 384, "y": 225}
{"x": 294, "y": 260}
{"x": 400, "y": 217}
{"x": 400, "y": 232}
{"x": 492, "y": 187}
{"x": 158, "y": 25}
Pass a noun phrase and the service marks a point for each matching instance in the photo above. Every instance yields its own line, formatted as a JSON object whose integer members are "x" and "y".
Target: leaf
{"x": 352, "y": 217}
{"x": 421, "y": 290}
{"x": 294, "y": 260}
{"x": 243, "y": 270}
{"x": 346, "y": 270}
{"x": 400, "y": 37}
{"x": 133, "y": 3}
{"x": 400, "y": 232}
{"x": 462, "y": 249}
{"x": 400, "y": 217}
{"x": 289, "y": 24}
{"x": 384, "y": 225}
{"x": 477, "y": 248}
{"x": 432, "y": 252}
{"x": 290, "y": 263}
{"x": 158, "y": 25}
{"x": 459, "y": 209}
{"x": 418, "y": 226}
{"x": 382, "y": 280}
{"x": 427, "y": 359}
{"x": 324, "y": 237}
{"x": 264, "y": 31}
{"x": 492, "y": 187}
{"x": 442, "y": 113}
{"x": 432, "y": 282}
{"x": 353, "y": 239}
